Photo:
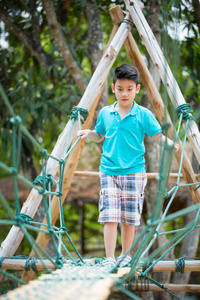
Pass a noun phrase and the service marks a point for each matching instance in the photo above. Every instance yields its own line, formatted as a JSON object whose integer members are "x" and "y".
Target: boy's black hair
{"x": 126, "y": 71}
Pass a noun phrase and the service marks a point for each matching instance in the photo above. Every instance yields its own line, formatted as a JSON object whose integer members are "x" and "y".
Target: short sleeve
{"x": 100, "y": 127}
{"x": 152, "y": 126}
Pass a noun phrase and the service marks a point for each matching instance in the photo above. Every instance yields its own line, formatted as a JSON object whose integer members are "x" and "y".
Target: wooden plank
{"x": 70, "y": 282}
{"x": 163, "y": 68}
{"x": 83, "y": 282}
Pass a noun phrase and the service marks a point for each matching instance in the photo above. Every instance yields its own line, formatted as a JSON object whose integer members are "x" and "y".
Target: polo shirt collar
{"x": 132, "y": 112}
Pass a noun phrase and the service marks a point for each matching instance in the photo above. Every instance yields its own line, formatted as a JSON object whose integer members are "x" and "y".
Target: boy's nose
{"x": 124, "y": 93}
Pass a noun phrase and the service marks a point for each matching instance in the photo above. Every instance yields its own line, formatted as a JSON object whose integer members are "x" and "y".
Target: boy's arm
{"x": 160, "y": 139}
{"x": 90, "y": 134}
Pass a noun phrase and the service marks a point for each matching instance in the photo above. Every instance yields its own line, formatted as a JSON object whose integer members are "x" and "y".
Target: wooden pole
{"x": 19, "y": 264}
{"x": 156, "y": 100}
{"x": 94, "y": 90}
{"x": 170, "y": 265}
{"x": 191, "y": 288}
{"x": 163, "y": 68}
{"x": 151, "y": 175}
{"x": 160, "y": 266}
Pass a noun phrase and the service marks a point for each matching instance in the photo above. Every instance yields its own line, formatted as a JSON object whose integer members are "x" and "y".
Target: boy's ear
{"x": 138, "y": 88}
{"x": 113, "y": 87}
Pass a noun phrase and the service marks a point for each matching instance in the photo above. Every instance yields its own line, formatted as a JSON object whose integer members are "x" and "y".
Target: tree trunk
{"x": 95, "y": 45}
{"x": 196, "y": 6}
{"x": 30, "y": 44}
{"x": 70, "y": 63}
{"x": 95, "y": 51}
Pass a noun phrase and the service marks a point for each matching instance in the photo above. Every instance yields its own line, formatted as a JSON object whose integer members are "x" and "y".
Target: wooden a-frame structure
{"x": 120, "y": 35}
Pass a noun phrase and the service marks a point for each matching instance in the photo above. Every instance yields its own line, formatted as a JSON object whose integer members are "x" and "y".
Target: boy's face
{"x": 125, "y": 91}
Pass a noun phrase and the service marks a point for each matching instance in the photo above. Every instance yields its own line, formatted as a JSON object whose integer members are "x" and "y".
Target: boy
{"x": 123, "y": 125}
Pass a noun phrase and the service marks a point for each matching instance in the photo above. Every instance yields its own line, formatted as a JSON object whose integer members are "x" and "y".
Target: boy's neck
{"x": 123, "y": 111}
{"x": 122, "y": 108}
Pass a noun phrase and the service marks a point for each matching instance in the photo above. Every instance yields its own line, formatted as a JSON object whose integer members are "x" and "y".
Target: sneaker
{"x": 124, "y": 260}
{"x": 109, "y": 262}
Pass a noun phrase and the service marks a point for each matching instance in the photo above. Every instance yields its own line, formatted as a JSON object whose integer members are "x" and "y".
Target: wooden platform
{"x": 71, "y": 282}
{"x": 91, "y": 281}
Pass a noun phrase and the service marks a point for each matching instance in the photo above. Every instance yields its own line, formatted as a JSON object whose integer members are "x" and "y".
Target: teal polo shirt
{"x": 123, "y": 147}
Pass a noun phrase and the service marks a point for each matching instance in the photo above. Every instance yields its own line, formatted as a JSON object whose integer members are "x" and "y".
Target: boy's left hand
{"x": 176, "y": 147}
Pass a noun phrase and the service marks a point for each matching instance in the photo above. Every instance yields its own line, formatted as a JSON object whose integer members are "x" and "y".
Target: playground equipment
{"x": 77, "y": 277}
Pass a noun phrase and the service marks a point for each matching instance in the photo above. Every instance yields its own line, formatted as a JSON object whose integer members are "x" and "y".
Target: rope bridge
{"x": 80, "y": 278}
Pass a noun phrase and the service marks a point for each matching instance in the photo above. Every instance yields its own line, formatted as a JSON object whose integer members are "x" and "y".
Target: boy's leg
{"x": 110, "y": 238}
{"x": 127, "y": 237}
{"x": 132, "y": 203}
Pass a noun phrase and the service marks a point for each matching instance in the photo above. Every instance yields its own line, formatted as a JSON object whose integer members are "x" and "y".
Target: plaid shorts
{"x": 121, "y": 198}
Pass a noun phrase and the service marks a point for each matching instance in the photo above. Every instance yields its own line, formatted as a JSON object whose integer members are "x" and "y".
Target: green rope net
{"x": 44, "y": 184}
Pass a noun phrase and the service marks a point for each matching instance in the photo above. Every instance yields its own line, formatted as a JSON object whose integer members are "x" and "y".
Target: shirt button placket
{"x": 117, "y": 116}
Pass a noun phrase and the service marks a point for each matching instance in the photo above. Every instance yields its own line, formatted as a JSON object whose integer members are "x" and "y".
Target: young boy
{"x": 123, "y": 126}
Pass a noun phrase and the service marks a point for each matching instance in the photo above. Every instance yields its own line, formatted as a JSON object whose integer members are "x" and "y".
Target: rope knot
{"x": 127, "y": 21}
{"x": 74, "y": 113}
{"x": 63, "y": 229}
{"x": 16, "y": 119}
{"x": 23, "y": 218}
{"x": 180, "y": 265}
{"x": 14, "y": 171}
{"x": 31, "y": 264}
{"x": 59, "y": 261}
{"x": 43, "y": 153}
{"x": 184, "y": 110}
{"x": 40, "y": 180}
{"x": 51, "y": 230}
{"x": 61, "y": 162}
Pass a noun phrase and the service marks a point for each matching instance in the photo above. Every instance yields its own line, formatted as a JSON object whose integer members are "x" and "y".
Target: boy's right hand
{"x": 83, "y": 133}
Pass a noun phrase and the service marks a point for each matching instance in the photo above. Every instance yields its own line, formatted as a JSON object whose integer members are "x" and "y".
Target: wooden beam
{"x": 19, "y": 264}
{"x": 163, "y": 68}
{"x": 160, "y": 266}
{"x": 191, "y": 288}
{"x": 156, "y": 100}
{"x": 151, "y": 175}
{"x": 170, "y": 265}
